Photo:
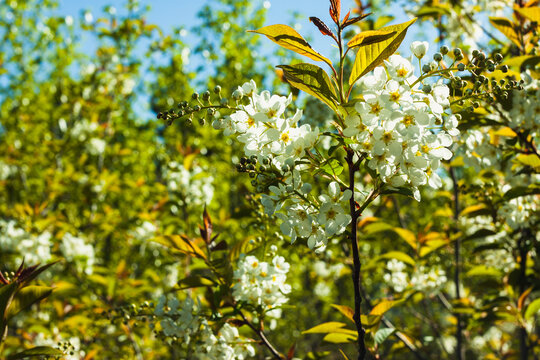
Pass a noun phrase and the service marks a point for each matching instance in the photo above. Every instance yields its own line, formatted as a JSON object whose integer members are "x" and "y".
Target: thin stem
{"x": 341, "y": 58}
{"x": 522, "y": 246}
{"x": 460, "y": 350}
{"x": 356, "y": 261}
{"x": 261, "y": 335}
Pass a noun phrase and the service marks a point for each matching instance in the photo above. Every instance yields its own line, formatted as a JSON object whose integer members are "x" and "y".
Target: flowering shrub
{"x": 405, "y": 162}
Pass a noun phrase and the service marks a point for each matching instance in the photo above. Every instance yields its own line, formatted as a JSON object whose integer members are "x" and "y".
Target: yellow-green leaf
{"x": 407, "y": 235}
{"x": 370, "y": 56}
{"x": 340, "y": 338}
{"x": 532, "y": 309}
{"x": 287, "y": 37}
{"x": 343, "y": 354}
{"x": 398, "y": 255}
{"x": 26, "y": 297}
{"x": 329, "y": 327}
{"x": 313, "y": 80}
{"x": 384, "y": 306}
{"x": 370, "y": 37}
{"x": 531, "y": 13}
{"x": 531, "y": 160}
{"x": 345, "y": 310}
{"x": 180, "y": 244}
{"x": 507, "y": 27}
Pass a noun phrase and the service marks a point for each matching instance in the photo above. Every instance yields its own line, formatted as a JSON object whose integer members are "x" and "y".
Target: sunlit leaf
{"x": 35, "y": 352}
{"x": 370, "y": 56}
{"x": 287, "y": 37}
{"x": 313, "y": 80}
{"x": 340, "y": 338}
{"x": 532, "y": 13}
{"x": 408, "y": 236}
{"x": 383, "y": 334}
{"x": 370, "y": 37}
{"x": 382, "y": 307}
{"x": 345, "y": 310}
{"x": 26, "y": 297}
{"x": 507, "y": 27}
{"x": 398, "y": 255}
{"x": 532, "y": 309}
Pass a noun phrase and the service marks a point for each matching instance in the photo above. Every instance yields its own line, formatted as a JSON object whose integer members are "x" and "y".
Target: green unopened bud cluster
{"x": 132, "y": 312}
{"x": 201, "y": 107}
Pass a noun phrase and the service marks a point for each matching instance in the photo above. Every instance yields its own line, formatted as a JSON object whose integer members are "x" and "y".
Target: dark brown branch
{"x": 356, "y": 261}
{"x": 460, "y": 350}
{"x": 261, "y": 335}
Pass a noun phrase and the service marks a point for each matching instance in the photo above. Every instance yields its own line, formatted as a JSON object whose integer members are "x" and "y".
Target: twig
{"x": 460, "y": 353}
{"x": 356, "y": 260}
{"x": 261, "y": 335}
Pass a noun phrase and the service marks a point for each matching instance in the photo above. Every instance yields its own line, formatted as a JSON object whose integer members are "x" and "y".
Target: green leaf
{"x": 507, "y": 27}
{"x": 521, "y": 191}
{"x": 531, "y": 160}
{"x": 398, "y": 255}
{"x": 343, "y": 354}
{"x": 313, "y": 80}
{"x": 532, "y": 13}
{"x": 370, "y": 56}
{"x": 287, "y": 37}
{"x": 37, "y": 351}
{"x": 345, "y": 310}
{"x": 482, "y": 270}
{"x": 532, "y": 309}
{"x": 385, "y": 305}
{"x": 340, "y": 338}
{"x": 407, "y": 235}
{"x": 26, "y": 297}
{"x": 332, "y": 166}
{"x": 181, "y": 244}
{"x": 329, "y": 327}
{"x": 7, "y": 292}
{"x": 370, "y": 37}
{"x": 194, "y": 282}
{"x": 400, "y": 190}
{"x": 383, "y": 334}
{"x": 479, "y": 234}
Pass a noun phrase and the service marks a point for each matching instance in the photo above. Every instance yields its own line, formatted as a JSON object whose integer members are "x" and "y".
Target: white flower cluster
{"x": 520, "y": 212}
{"x": 76, "y": 250}
{"x": 261, "y": 284}
{"x": 34, "y": 248}
{"x": 404, "y": 131}
{"x": 6, "y": 170}
{"x": 178, "y": 320}
{"x": 226, "y": 345}
{"x": 184, "y": 323}
{"x": 194, "y": 185}
{"x": 423, "y": 279}
{"x": 84, "y": 131}
{"x": 263, "y": 128}
{"x": 525, "y": 111}
{"x": 301, "y": 219}
{"x": 479, "y": 152}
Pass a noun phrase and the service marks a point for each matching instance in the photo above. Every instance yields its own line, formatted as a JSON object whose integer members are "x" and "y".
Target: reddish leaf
{"x": 335, "y": 10}
{"x": 291, "y": 351}
{"x": 355, "y": 19}
{"x": 323, "y": 28}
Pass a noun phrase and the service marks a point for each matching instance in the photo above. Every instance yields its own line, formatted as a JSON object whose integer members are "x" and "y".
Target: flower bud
{"x": 437, "y": 57}
{"x": 444, "y": 50}
{"x": 426, "y": 88}
{"x": 419, "y": 48}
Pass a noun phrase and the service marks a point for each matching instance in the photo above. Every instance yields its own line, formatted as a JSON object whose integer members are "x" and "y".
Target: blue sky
{"x": 174, "y": 13}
